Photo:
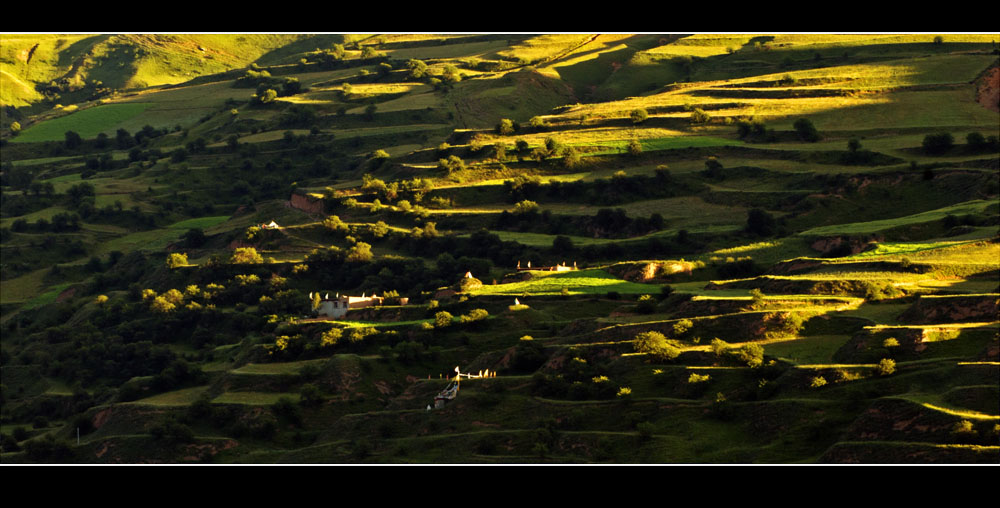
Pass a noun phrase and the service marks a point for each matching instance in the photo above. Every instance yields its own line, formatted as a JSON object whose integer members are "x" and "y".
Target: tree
{"x": 72, "y": 140}
{"x": 562, "y": 244}
{"x": 760, "y": 223}
{"x": 638, "y": 115}
{"x": 525, "y": 206}
{"x": 246, "y": 256}
{"x": 331, "y": 337}
{"x": 194, "y": 238}
{"x": 700, "y": 116}
{"x": 176, "y": 260}
{"x": 938, "y": 143}
{"x": 634, "y": 147}
{"x": 854, "y": 145}
{"x": 505, "y": 127}
{"x": 719, "y": 346}
{"x": 885, "y": 367}
{"x": 266, "y": 96}
{"x": 360, "y": 252}
{"x": 975, "y": 140}
{"x": 751, "y": 354}
{"x": 656, "y": 345}
{"x": 442, "y": 319}
{"x": 334, "y": 223}
{"x": 806, "y": 130}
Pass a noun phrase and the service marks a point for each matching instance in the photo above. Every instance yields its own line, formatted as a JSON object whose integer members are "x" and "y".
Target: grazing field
{"x": 88, "y": 123}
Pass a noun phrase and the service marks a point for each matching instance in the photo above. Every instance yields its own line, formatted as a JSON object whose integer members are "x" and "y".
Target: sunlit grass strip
{"x": 377, "y": 324}
{"x": 816, "y": 366}
{"x": 984, "y": 324}
{"x": 579, "y": 282}
{"x": 898, "y": 248}
{"x": 976, "y": 415}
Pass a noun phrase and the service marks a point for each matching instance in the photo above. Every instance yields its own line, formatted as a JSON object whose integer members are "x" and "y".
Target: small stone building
{"x": 556, "y": 268}
{"x": 338, "y": 306}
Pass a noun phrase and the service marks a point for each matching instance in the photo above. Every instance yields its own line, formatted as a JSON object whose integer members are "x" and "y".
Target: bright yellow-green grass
{"x": 968, "y": 207}
{"x": 961, "y": 251}
{"x": 935, "y": 402}
{"x": 911, "y": 108}
{"x": 579, "y": 282}
{"x": 543, "y": 47}
{"x": 18, "y": 74}
{"x": 583, "y": 57}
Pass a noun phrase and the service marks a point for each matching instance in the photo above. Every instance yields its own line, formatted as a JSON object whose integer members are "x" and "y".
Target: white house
{"x": 338, "y": 306}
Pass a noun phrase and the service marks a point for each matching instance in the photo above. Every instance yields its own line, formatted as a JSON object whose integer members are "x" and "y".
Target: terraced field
{"x": 785, "y": 248}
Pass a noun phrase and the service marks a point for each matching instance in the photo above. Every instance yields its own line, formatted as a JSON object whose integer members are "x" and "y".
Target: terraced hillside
{"x": 655, "y": 248}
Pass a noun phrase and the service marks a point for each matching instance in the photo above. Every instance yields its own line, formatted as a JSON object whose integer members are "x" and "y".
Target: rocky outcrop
{"x": 306, "y": 203}
{"x": 645, "y": 271}
{"x": 953, "y": 309}
{"x": 845, "y": 245}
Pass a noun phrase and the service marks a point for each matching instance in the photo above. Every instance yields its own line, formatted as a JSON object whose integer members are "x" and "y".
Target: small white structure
{"x": 338, "y": 306}
{"x": 271, "y": 225}
{"x": 556, "y": 268}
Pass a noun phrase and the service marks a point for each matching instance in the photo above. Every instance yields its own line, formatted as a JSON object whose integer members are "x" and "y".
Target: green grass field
{"x": 88, "y": 123}
{"x": 970, "y": 207}
{"x": 580, "y": 282}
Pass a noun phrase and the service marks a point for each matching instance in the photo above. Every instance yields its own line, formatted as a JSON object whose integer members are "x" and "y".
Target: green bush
{"x": 885, "y": 367}
{"x": 939, "y": 143}
{"x": 443, "y": 319}
{"x": 656, "y": 345}
{"x": 638, "y": 115}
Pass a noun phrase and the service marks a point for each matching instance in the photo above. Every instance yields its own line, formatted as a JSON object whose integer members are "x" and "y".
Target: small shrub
{"x": 719, "y": 346}
{"x": 698, "y": 378}
{"x": 885, "y": 367}
{"x": 656, "y": 345}
{"x": 817, "y": 382}
{"x": 442, "y": 319}
{"x": 638, "y": 115}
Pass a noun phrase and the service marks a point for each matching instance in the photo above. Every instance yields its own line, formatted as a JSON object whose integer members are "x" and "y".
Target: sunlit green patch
{"x": 88, "y": 123}
{"x": 580, "y": 282}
